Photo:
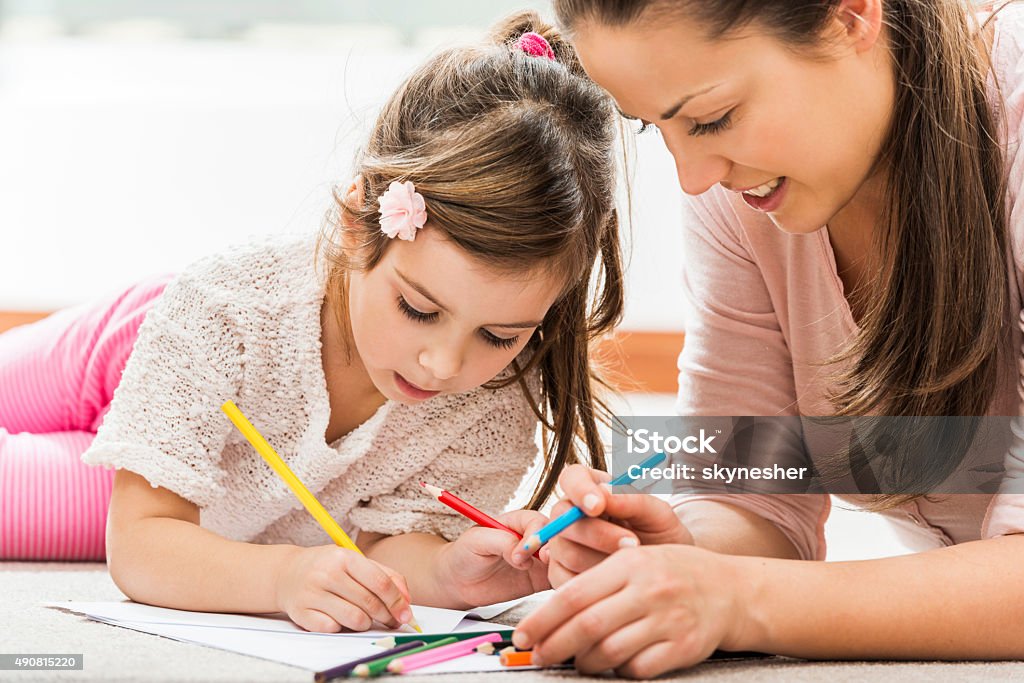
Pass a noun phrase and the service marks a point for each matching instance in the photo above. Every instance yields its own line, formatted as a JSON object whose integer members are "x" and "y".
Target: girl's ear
{"x": 861, "y": 21}
{"x": 352, "y": 198}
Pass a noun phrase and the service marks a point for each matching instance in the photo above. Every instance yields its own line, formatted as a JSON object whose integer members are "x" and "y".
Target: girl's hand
{"x": 615, "y": 520}
{"x": 479, "y": 566}
{"x": 328, "y": 589}
{"x": 642, "y": 611}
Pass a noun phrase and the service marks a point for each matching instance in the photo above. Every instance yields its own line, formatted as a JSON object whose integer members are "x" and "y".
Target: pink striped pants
{"x": 57, "y": 378}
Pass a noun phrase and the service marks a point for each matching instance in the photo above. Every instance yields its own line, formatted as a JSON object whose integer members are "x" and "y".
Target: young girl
{"x": 443, "y": 315}
{"x": 854, "y": 246}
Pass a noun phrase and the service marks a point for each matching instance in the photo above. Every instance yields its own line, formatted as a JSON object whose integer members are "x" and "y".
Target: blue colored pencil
{"x": 575, "y": 514}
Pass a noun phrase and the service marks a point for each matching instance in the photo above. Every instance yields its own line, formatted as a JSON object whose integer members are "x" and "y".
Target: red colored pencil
{"x": 464, "y": 508}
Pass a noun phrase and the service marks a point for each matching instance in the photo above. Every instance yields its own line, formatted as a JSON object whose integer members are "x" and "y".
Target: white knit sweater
{"x": 245, "y": 325}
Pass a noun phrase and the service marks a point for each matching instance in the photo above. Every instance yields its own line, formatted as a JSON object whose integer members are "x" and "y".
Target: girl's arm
{"x": 477, "y": 568}
{"x": 158, "y": 554}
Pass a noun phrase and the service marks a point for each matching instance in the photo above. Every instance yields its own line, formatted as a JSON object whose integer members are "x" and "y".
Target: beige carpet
{"x": 116, "y": 654}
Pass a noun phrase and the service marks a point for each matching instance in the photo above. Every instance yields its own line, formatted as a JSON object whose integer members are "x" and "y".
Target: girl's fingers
{"x": 400, "y": 582}
{"x": 315, "y": 621}
{"x": 350, "y": 591}
{"x": 527, "y": 523}
{"x": 568, "y": 602}
{"x": 590, "y": 621}
{"x": 385, "y": 592}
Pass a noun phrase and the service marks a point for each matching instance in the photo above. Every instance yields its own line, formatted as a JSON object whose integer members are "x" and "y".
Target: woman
{"x": 855, "y": 247}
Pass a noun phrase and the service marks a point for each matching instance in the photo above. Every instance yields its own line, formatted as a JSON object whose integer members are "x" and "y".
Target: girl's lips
{"x": 769, "y": 202}
{"x": 413, "y": 391}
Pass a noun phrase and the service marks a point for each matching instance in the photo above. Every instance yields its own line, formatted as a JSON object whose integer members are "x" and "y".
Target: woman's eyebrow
{"x": 430, "y": 297}
{"x": 674, "y": 109}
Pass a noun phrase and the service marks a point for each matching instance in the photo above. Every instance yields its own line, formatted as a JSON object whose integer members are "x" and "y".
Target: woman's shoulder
{"x": 1003, "y": 33}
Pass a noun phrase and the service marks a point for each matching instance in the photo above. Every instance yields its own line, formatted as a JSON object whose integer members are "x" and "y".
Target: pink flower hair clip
{"x": 535, "y": 45}
{"x": 402, "y": 211}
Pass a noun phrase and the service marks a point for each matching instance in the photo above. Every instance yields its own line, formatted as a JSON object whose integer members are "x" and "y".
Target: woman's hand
{"x": 642, "y": 612}
{"x": 328, "y": 589}
{"x": 480, "y": 568}
{"x": 615, "y": 520}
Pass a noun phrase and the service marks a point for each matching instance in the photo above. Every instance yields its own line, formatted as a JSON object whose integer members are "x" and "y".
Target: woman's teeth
{"x": 764, "y": 190}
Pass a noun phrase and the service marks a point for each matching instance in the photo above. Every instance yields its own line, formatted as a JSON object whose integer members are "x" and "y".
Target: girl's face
{"x": 748, "y": 113}
{"x": 428, "y": 319}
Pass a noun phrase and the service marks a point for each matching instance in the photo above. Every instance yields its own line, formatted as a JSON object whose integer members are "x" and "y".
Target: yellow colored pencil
{"x": 313, "y": 505}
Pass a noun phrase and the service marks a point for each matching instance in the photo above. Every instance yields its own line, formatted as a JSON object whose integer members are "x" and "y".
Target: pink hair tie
{"x": 535, "y": 45}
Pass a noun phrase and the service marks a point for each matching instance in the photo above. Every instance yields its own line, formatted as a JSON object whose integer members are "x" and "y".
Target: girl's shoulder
{"x": 258, "y": 272}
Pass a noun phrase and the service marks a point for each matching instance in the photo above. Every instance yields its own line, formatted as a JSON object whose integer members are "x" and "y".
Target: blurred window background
{"x": 139, "y": 135}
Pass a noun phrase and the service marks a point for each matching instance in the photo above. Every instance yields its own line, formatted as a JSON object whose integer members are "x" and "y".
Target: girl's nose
{"x": 442, "y": 361}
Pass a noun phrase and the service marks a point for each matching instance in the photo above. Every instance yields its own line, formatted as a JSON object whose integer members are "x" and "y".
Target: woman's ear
{"x": 861, "y": 21}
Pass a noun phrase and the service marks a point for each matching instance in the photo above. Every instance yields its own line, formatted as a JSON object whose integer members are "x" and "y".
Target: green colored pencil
{"x": 392, "y": 641}
{"x": 379, "y": 666}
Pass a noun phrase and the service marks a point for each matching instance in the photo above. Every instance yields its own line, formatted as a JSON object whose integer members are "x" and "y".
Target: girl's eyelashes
{"x": 421, "y": 317}
{"x": 712, "y": 127}
{"x": 499, "y": 342}
{"x": 414, "y": 314}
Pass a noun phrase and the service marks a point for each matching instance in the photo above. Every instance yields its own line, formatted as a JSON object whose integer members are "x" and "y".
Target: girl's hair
{"x": 930, "y": 340}
{"x": 514, "y": 157}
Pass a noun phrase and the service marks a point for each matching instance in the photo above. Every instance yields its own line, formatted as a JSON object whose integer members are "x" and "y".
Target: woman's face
{"x": 797, "y": 136}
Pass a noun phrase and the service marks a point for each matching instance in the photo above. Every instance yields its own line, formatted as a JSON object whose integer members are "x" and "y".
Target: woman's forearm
{"x": 732, "y": 530}
{"x": 175, "y": 563}
{"x": 962, "y": 602}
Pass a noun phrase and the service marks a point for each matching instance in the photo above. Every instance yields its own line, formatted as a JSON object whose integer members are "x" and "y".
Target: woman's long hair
{"x": 936, "y": 316}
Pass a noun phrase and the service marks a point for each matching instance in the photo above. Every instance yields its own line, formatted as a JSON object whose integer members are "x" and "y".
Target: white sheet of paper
{"x": 431, "y": 619}
{"x": 277, "y": 639}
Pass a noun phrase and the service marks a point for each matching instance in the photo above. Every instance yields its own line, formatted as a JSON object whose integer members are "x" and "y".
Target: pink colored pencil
{"x": 441, "y": 654}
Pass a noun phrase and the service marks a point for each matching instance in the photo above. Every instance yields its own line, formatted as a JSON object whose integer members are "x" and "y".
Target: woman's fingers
{"x": 566, "y": 603}
{"x": 582, "y": 487}
{"x": 575, "y": 557}
{"x": 598, "y": 534}
{"x": 656, "y": 659}
{"x": 618, "y": 647}
{"x": 588, "y": 614}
